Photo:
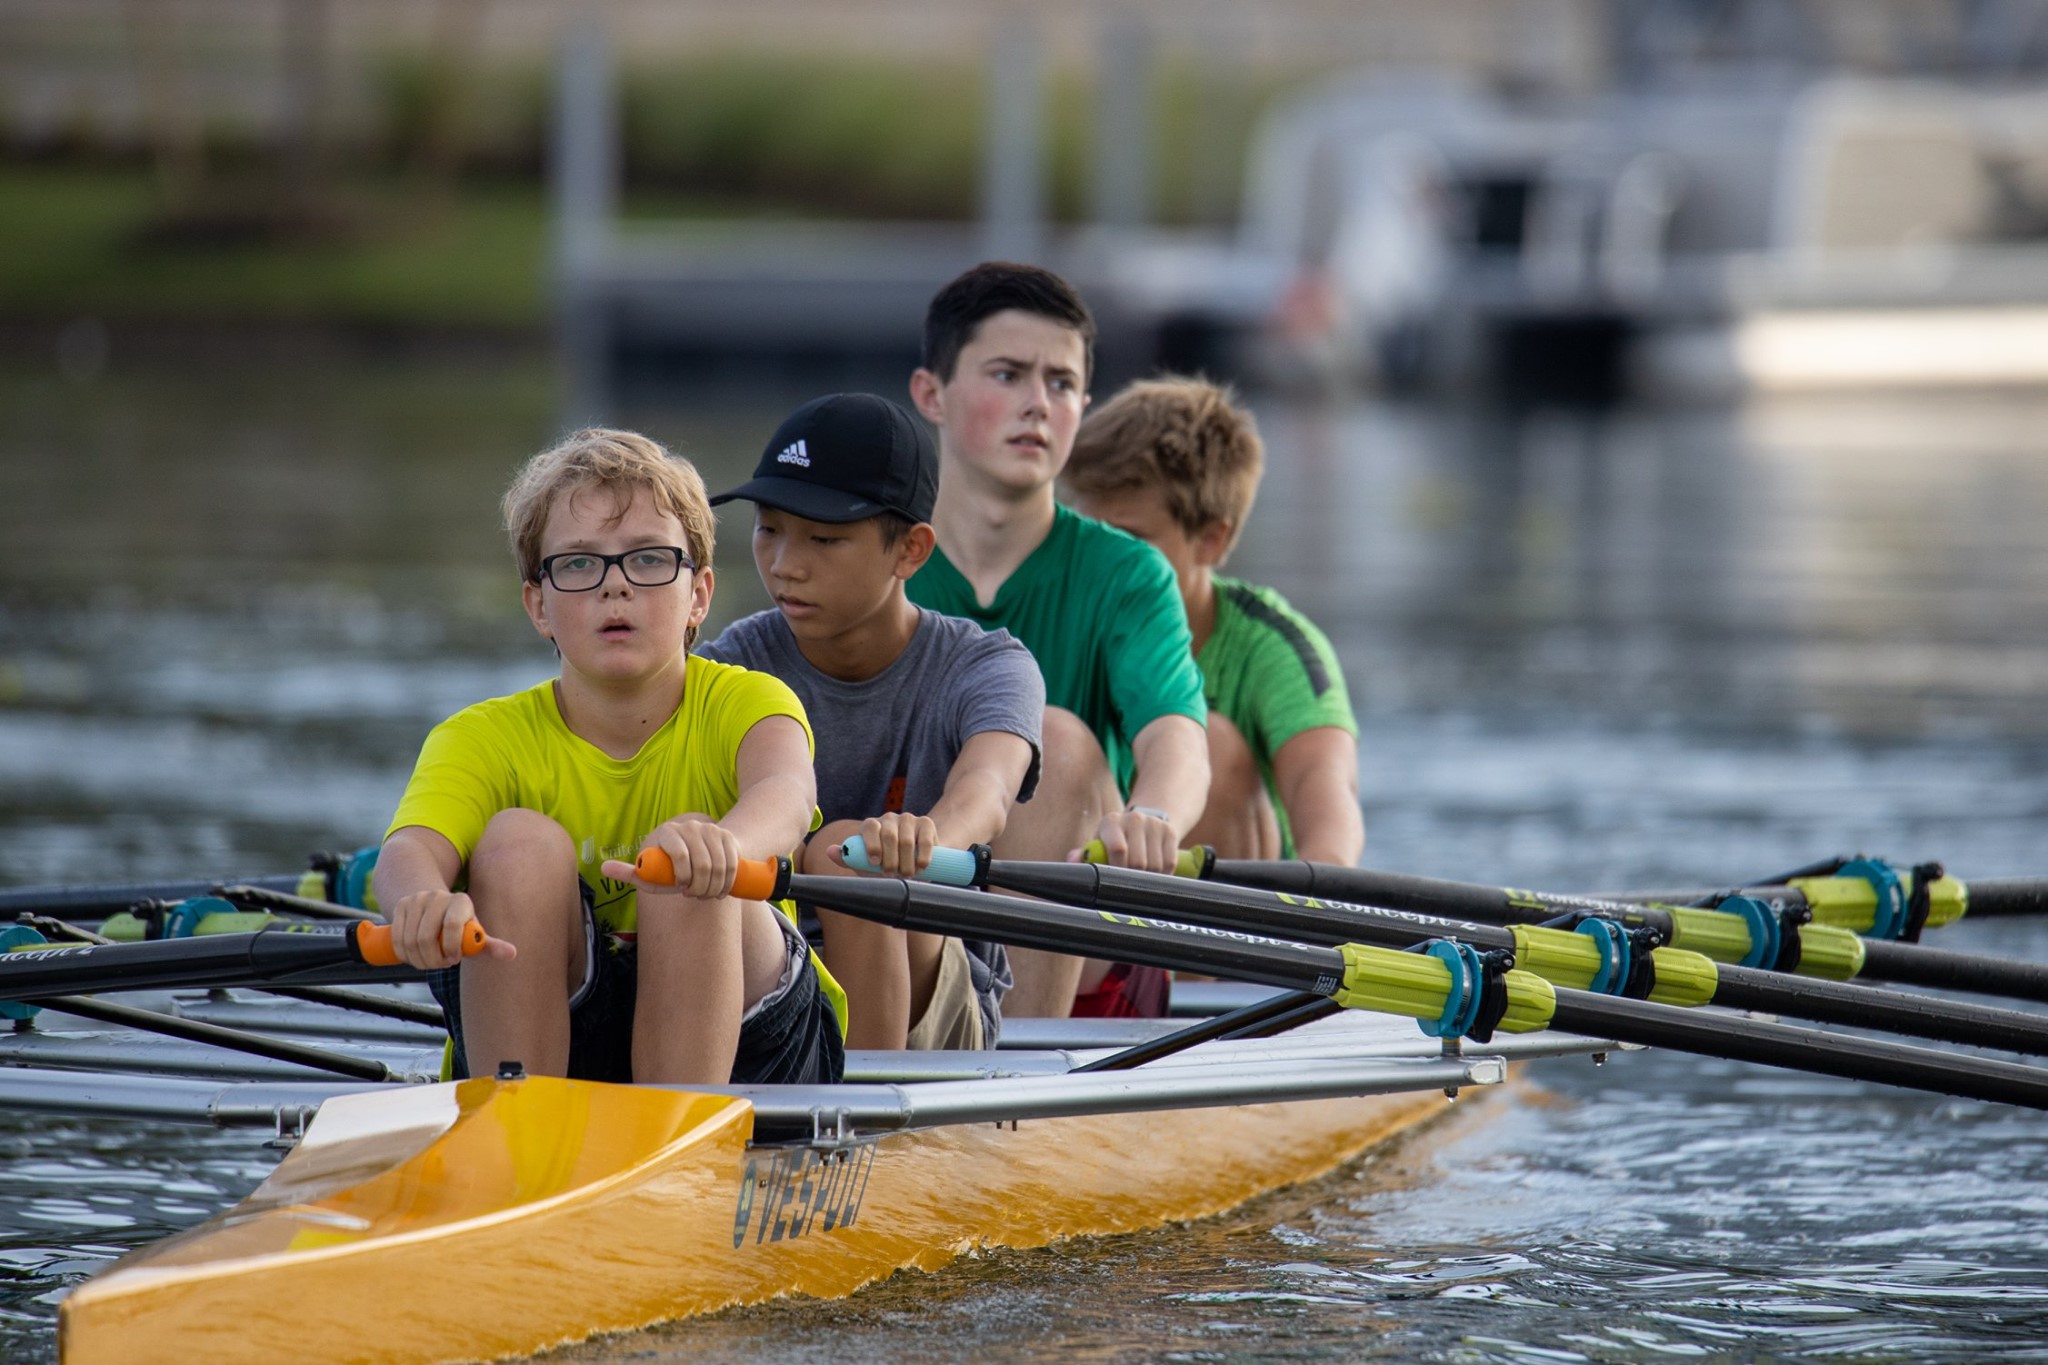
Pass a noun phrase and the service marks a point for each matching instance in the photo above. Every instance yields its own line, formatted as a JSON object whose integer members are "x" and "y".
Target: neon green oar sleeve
{"x": 1830, "y": 954}
{"x": 1684, "y": 978}
{"x": 1851, "y": 902}
{"x": 1712, "y": 933}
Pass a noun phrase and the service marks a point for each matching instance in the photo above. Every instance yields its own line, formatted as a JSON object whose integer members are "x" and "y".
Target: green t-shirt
{"x": 1101, "y": 613}
{"x": 1273, "y": 675}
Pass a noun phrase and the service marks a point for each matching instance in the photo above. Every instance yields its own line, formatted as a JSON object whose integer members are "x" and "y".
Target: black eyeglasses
{"x": 650, "y": 566}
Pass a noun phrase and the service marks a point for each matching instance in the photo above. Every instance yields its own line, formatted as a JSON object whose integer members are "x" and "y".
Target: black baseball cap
{"x": 846, "y": 457}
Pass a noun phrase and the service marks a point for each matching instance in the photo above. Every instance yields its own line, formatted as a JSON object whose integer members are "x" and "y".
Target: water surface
{"x": 1648, "y": 647}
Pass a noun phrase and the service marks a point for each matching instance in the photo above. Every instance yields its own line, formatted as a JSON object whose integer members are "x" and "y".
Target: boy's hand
{"x": 1136, "y": 838}
{"x": 705, "y": 853}
{"x": 426, "y": 930}
{"x": 899, "y": 844}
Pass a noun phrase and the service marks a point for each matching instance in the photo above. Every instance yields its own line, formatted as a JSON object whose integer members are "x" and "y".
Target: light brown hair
{"x": 1183, "y": 438}
{"x": 620, "y": 464}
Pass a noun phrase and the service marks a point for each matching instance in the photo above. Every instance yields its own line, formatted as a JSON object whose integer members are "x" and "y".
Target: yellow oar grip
{"x": 1186, "y": 863}
{"x": 1851, "y": 902}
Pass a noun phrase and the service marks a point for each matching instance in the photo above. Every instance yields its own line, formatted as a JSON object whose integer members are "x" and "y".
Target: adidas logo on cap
{"x": 796, "y": 454}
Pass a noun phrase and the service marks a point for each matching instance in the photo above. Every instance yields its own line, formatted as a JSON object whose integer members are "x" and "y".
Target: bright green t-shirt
{"x": 1272, "y": 674}
{"x": 1101, "y": 613}
{"x": 518, "y": 752}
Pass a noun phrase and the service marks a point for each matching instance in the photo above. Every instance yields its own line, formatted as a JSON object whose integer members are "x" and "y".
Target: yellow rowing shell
{"x": 488, "y": 1218}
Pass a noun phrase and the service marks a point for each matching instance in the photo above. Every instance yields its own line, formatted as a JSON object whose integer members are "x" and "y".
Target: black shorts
{"x": 791, "y": 1039}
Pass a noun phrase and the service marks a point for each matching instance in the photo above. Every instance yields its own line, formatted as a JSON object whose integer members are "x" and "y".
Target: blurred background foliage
{"x": 426, "y": 205}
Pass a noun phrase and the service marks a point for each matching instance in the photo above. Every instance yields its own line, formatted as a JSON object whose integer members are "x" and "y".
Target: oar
{"x": 1597, "y": 957}
{"x": 334, "y": 880}
{"x": 284, "y": 954}
{"x": 384, "y": 1006}
{"x": 1986, "y": 897}
{"x": 1994, "y": 896}
{"x": 97, "y": 902}
{"x": 1752, "y": 927}
{"x": 237, "y": 1040}
{"x": 1451, "y": 988}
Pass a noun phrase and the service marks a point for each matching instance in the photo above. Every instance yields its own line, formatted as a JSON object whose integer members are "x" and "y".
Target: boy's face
{"x": 1010, "y": 410}
{"x": 832, "y": 578}
{"x": 1142, "y": 512}
{"x": 617, "y": 631}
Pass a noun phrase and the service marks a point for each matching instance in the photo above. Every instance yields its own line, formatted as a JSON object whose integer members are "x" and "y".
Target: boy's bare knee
{"x": 1072, "y": 763}
{"x": 816, "y": 859}
{"x": 523, "y": 838}
{"x": 1075, "y": 790}
{"x": 1233, "y": 770}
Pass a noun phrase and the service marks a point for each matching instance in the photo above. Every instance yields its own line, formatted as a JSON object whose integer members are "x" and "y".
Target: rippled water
{"x": 1646, "y": 648}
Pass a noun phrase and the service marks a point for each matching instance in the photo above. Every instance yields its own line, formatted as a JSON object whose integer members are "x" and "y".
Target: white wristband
{"x": 1154, "y": 812}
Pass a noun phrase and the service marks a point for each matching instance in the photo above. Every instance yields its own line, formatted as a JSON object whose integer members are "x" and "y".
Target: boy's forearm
{"x": 771, "y": 817}
{"x": 972, "y": 811}
{"x": 414, "y": 859}
{"x": 981, "y": 788}
{"x": 1316, "y": 774}
{"x": 1328, "y": 828}
{"x": 1172, "y": 754}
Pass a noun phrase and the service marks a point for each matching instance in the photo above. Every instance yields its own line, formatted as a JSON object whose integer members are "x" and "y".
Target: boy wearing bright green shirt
{"x": 1177, "y": 462}
{"x": 1114, "y": 665}
{"x": 1007, "y": 354}
{"x": 527, "y": 813}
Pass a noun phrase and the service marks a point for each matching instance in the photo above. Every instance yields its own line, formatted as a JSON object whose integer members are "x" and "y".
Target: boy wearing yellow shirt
{"x": 525, "y": 813}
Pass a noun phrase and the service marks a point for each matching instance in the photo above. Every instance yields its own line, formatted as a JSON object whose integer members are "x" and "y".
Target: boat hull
{"x": 491, "y": 1219}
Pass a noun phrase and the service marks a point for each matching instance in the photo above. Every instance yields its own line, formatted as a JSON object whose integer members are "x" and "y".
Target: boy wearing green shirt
{"x": 1177, "y": 463}
{"x": 1007, "y": 354}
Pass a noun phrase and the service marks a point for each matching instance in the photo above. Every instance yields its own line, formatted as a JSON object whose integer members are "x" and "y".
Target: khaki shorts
{"x": 952, "y": 1021}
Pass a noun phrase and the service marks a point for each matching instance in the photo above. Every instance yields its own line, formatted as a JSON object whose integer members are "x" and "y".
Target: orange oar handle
{"x": 755, "y": 882}
{"x": 373, "y": 942}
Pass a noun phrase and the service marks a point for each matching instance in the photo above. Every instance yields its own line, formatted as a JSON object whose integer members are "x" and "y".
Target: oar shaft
{"x": 2008, "y": 896}
{"x": 1428, "y": 895}
{"x": 1131, "y": 938}
{"x": 1237, "y": 1023}
{"x": 1881, "y": 959}
{"x": 1304, "y": 917}
{"x": 97, "y": 902}
{"x": 1063, "y": 929}
{"x": 239, "y": 1040}
{"x": 1861, "y": 1005}
{"x": 1913, "y": 965}
{"x": 285, "y": 954}
{"x": 1749, "y": 1040}
{"x": 1213, "y": 903}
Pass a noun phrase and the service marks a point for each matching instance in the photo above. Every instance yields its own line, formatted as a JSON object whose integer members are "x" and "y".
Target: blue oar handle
{"x": 949, "y": 866}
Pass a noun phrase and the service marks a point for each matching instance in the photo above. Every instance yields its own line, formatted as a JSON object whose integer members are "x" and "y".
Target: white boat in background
{"x": 1706, "y": 236}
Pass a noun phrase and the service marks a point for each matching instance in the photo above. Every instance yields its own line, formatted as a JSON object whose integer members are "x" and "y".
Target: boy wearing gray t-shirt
{"x": 927, "y": 727}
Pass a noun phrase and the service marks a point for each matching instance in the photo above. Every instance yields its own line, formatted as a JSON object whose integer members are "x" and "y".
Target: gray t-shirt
{"x": 888, "y": 743}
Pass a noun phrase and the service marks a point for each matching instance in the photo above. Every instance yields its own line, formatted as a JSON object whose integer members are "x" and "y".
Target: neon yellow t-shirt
{"x": 518, "y": 752}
